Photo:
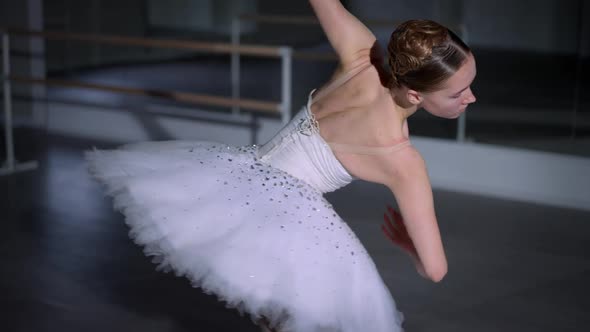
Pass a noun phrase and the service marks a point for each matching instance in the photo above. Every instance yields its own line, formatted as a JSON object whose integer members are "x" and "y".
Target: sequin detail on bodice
{"x": 299, "y": 150}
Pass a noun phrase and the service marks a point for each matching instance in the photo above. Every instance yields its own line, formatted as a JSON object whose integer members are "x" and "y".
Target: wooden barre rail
{"x": 268, "y": 107}
{"x": 265, "y": 51}
{"x": 226, "y": 48}
{"x": 311, "y": 20}
{"x": 305, "y": 20}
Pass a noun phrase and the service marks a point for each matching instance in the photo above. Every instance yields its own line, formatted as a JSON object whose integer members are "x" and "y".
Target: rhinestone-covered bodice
{"x": 299, "y": 150}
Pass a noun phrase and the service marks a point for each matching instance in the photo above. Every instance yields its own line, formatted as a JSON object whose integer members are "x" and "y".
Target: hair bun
{"x": 411, "y": 44}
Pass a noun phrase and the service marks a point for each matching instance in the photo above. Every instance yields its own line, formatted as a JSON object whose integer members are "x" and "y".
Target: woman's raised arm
{"x": 347, "y": 35}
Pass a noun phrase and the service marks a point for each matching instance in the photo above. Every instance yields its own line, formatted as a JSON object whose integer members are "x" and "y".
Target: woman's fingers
{"x": 395, "y": 230}
{"x": 388, "y": 234}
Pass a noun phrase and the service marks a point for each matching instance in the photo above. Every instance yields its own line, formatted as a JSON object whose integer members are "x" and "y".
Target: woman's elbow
{"x": 437, "y": 274}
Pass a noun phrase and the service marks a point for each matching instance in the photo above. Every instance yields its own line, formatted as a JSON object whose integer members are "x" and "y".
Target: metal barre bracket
{"x": 10, "y": 164}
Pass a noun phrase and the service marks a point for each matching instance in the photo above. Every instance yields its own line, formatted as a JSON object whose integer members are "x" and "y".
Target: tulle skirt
{"x": 263, "y": 241}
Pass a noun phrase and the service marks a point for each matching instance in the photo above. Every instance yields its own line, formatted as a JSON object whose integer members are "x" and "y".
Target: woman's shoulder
{"x": 373, "y": 77}
{"x": 382, "y": 164}
{"x": 363, "y": 58}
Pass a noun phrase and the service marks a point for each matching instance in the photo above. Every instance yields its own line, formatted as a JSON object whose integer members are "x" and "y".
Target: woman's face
{"x": 454, "y": 97}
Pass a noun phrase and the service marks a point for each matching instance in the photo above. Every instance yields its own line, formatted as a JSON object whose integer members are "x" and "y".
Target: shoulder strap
{"x": 342, "y": 79}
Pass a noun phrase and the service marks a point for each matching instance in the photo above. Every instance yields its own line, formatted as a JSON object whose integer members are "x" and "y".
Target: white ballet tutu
{"x": 262, "y": 240}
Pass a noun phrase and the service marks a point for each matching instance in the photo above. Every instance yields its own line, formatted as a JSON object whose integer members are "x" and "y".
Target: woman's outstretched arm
{"x": 413, "y": 193}
{"x": 347, "y": 35}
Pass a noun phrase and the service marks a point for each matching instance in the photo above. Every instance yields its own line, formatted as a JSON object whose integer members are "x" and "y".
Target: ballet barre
{"x": 187, "y": 97}
{"x": 282, "y": 108}
{"x": 210, "y": 47}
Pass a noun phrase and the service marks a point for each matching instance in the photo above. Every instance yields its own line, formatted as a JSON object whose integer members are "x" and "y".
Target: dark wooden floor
{"x": 69, "y": 266}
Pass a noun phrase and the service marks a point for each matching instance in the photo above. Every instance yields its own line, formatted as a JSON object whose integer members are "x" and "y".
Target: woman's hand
{"x": 394, "y": 229}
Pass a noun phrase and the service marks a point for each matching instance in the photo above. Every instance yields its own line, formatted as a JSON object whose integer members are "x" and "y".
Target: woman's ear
{"x": 414, "y": 97}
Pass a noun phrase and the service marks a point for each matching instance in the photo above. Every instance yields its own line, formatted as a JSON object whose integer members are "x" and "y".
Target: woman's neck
{"x": 402, "y": 105}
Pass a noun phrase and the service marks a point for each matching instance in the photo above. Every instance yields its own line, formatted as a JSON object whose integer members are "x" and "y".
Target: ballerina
{"x": 250, "y": 224}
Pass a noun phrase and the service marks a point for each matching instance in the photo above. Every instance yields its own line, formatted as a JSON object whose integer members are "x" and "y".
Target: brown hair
{"x": 423, "y": 54}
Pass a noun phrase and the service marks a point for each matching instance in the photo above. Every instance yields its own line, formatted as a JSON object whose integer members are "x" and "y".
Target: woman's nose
{"x": 470, "y": 98}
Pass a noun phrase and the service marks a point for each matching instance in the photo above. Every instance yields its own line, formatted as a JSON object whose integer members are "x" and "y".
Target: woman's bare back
{"x": 360, "y": 113}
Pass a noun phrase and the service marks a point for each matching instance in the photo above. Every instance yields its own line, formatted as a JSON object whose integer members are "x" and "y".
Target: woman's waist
{"x": 309, "y": 160}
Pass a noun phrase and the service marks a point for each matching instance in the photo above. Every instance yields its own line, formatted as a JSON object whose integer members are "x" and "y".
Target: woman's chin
{"x": 458, "y": 113}
{"x": 448, "y": 114}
